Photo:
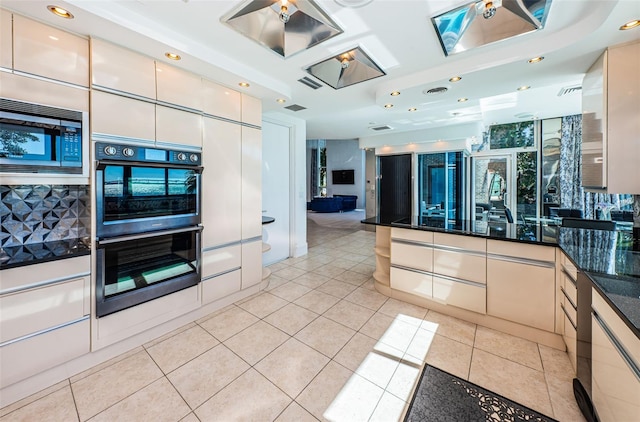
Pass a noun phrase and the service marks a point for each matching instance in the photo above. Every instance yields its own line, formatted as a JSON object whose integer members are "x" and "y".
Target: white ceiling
{"x": 397, "y": 34}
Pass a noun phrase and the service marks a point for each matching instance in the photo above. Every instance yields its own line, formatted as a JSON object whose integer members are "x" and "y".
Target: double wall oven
{"x": 148, "y": 224}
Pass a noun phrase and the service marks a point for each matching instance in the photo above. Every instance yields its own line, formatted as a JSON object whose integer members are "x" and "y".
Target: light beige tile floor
{"x": 318, "y": 344}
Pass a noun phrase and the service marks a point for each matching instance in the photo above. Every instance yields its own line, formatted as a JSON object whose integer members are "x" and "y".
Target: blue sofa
{"x": 337, "y": 203}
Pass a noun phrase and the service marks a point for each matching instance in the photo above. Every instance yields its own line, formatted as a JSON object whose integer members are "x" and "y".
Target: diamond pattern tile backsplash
{"x": 43, "y": 213}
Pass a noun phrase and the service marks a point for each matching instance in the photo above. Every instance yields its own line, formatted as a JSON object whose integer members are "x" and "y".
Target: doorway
{"x": 276, "y": 191}
{"x": 395, "y": 187}
{"x": 493, "y": 188}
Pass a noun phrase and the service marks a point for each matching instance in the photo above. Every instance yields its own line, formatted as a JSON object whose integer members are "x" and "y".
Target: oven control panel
{"x": 118, "y": 152}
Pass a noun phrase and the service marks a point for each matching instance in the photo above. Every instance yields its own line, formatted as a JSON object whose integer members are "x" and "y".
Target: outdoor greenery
{"x": 511, "y": 135}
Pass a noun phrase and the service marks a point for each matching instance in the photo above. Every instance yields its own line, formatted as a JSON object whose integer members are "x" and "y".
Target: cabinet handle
{"x": 569, "y": 276}
{"x": 43, "y": 284}
{"x": 458, "y": 280}
{"x": 460, "y": 250}
{"x": 575, "y": 327}
{"x": 568, "y": 298}
{"x": 617, "y": 344}
{"x": 536, "y": 262}
{"x": 411, "y": 242}
{"x": 45, "y": 331}
{"x": 220, "y": 273}
{"x": 413, "y": 270}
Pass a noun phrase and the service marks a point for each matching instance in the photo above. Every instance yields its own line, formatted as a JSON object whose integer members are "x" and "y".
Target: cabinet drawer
{"x": 37, "y": 309}
{"x": 460, "y": 294}
{"x": 29, "y": 356}
{"x": 50, "y": 52}
{"x": 570, "y": 339}
{"x": 416, "y": 283}
{"x": 410, "y": 255}
{"x": 570, "y": 288}
{"x": 221, "y": 260}
{"x": 465, "y": 266}
{"x": 521, "y": 293}
{"x": 616, "y": 384}
{"x": 215, "y": 288}
{"x": 522, "y": 250}
{"x": 461, "y": 242}
{"x": 412, "y": 235}
{"x": 115, "y": 115}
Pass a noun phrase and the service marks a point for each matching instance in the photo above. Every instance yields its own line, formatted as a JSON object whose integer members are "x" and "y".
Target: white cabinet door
{"x": 6, "y": 39}
{"x": 251, "y": 183}
{"x": 521, "y": 293}
{"x": 251, "y": 263}
{"x": 218, "y": 287}
{"x": 50, "y": 52}
{"x": 221, "y": 183}
{"x": 177, "y": 127}
{"x": 121, "y": 69}
{"x": 115, "y": 115}
{"x": 460, "y": 294}
{"x": 460, "y": 257}
{"x": 177, "y": 86}
{"x": 221, "y": 101}
{"x": 251, "y": 110}
{"x": 416, "y": 283}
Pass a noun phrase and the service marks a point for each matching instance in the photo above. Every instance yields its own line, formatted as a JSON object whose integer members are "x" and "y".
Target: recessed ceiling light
{"x": 536, "y": 59}
{"x": 523, "y": 87}
{"x": 388, "y": 105}
{"x": 413, "y": 109}
{"x": 395, "y": 93}
{"x": 281, "y": 100}
{"x": 462, "y": 100}
{"x": 172, "y": 56}
{"x": 455, "y": 79}
{"x": 631, "y": 24}
{"x": 244, "y": 84}
{"x": 59, "y": 11}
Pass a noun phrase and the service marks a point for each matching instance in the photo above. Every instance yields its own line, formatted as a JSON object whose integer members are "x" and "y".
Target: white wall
{"x": 346, "y": 155}
{"x": 297, "y": 174}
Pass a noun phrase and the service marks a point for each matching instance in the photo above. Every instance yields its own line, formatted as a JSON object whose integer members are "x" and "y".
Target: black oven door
{"x": 135, "y": 269}
{"x": 142, "y": 197}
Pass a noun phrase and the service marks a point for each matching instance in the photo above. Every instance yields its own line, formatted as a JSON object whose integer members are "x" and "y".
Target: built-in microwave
{"x": 39, "y": 139}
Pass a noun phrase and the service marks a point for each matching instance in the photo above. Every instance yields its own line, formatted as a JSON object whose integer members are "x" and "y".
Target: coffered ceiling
{"x": 398, "y": 35}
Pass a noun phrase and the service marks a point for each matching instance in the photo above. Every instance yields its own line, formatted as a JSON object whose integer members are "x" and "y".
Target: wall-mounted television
{"x": 343, "y": 177}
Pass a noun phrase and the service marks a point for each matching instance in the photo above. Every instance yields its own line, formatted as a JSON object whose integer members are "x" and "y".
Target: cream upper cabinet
{"x": 251, "y": 110}
{"x": 116, "y": 115}
{"x": 521, "y": 283}
{"x": 6, "y": 39}
{"x": 50, "y": 52}
{"x": 610, "y": 110}
{"x": 178, "y": 127}
{"x": 251, "y": 183}
{"x": 121, "y": 69}
{"x": 179, "y": 87}
{"x": 221, "y": 101}
{"x": 221, "y": 183}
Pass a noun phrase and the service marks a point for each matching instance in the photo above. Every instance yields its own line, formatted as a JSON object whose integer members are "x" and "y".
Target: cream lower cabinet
{"x": 221, "y": 275}
{"x": 412, "y": 261}
{"x": 460, "y": 271}
{"x": 251, "y": 263}
{"x": 521, "y": 283}
{"x": 43, "y": 322}
{"x": 615, "y": 365}
{"x": 568, "y": 313}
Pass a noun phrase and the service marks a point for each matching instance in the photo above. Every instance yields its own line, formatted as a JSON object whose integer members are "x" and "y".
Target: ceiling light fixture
{"x": 631, "y": 24}
{"x": 285, "y": 27}
{"x": 489, "y": 10}
{"x": 455, "y": 79}
{"x": 523, "y": 87}
{"x": 244, "y": 84}
{"x": 462, "y": 100}
{"x": 413, "y": 109}
{"x": 536, "y": 59}
{"x": 395, "y": 93}
{"x": 347, "y": 68}
{"x": 281, "y": 100}
{"x": 172, "y": 56}
{"x": 59, "y": 11}
{"x": 388, "y": 105}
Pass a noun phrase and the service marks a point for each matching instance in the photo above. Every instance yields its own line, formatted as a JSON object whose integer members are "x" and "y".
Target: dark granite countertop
{"x": 36, "y": 253}
{"x": 609, "y": 258}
